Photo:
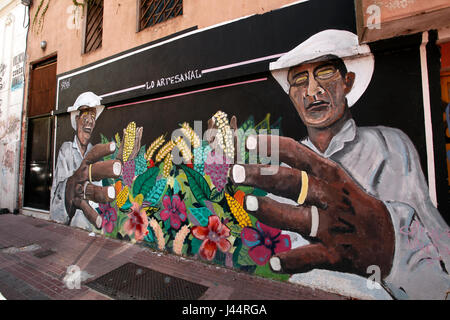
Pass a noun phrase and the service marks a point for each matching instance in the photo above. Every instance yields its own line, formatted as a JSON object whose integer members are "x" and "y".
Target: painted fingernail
{"x": 238, "y": 174}
{"x": 252, "y": 142}
{"x": 251, "y": 203}
{"x": 275, "y": 263}
{"x": 98, "y": 222}
{"x": 117, "y": 168}
{"x": 111, "y": 193}
{"x": 112, "y": 146}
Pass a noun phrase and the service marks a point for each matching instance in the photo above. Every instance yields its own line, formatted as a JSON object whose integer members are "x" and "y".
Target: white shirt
{"x": 69, "y": 160}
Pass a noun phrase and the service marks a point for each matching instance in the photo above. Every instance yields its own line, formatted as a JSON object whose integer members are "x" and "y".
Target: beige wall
{"x": 119, "y": 27}
{"x": 384, "y": 19}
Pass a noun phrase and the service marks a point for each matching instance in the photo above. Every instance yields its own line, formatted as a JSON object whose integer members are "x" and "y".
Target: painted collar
{"x": 346, "y": 134}
{"x": 76, "y": 147}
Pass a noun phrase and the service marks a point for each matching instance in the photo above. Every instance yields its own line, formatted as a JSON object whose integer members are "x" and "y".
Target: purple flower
{"x": 175, "y": 210}
{"x": 264, "y": 242}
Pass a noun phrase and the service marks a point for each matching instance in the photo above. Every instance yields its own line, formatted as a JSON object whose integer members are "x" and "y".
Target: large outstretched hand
{"x": 79, "y": 187}
{"x": 348, "y": 229}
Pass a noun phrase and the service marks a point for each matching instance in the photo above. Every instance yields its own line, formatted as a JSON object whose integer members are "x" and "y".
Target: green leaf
{"x": 217, "y": 196}
{"x": 195, "y": 245}
{"x": 145, "y": 182}
{"x": 264, "y": 271}
{"x": 199, "y": 186}
{"x": 243, "y": 257}
{"x": 201, "y": 215}
{"x": 264, "y": 124}
{"x": 248, "y": 124}
{"x": 235, "y": 229}
{"x": 259, "y": 193}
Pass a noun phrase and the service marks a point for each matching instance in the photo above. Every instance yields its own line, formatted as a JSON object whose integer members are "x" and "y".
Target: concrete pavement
{"x": 35, "y": 255}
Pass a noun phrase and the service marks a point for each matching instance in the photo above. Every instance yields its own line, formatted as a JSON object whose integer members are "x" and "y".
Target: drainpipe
{"x": 428, "y": 123}
{"x": 23, "y": 117}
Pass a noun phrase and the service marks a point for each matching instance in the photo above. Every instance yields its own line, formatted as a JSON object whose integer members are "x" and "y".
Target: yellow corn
{"x": 153, "y": 147}
{"x": 122, "y": 197}
{"x": 118, "y": 186}
{"x": 128, "y": 140}
{"x": 238, "y": 212}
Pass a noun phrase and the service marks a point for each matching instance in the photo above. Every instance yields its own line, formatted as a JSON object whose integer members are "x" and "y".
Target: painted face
{"x": 85, "y": 125}
{"x": 318, "y": 92}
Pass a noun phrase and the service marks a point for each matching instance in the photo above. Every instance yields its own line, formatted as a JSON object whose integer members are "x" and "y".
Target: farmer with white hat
{"x": 76, "y": 185}
{"x": 356, "y": 193}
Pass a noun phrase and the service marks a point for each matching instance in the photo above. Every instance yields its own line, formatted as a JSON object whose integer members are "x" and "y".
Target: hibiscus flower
{"x": 213, "y": 236}
{"x": 137, "y": 222}
{"x": 109, "y": 216}
{"x": 264, "y": 242}
{"x": 174, "y": 210}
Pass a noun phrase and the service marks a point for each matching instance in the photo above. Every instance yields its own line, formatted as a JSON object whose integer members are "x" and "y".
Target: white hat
{"x": 343, "y": 44}
{"x": 86, "y": 99}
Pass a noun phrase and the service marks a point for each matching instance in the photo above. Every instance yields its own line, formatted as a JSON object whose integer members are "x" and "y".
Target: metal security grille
{"x": 133, "y": 282}
{"x": 94, "y": 25}
{"x": 156, "y": 11}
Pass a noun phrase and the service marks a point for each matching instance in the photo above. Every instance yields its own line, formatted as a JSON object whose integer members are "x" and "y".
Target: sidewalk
{"x": 35, "y": 254}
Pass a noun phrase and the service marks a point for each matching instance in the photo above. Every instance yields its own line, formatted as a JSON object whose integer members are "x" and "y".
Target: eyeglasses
{"x": 321, "y": 73}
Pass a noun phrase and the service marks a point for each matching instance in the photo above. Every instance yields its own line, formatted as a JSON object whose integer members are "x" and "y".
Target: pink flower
{"x": 109, "y": 216}
{"x": 213, "y": 236}
{"x": 264, "y": 242}
{"x": 137, "y": 223}
{"x": 175, "y": 210}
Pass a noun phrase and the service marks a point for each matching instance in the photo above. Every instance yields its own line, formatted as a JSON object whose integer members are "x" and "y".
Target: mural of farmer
{"x": 357, "y": 194}
{"x": 78, "y": 170}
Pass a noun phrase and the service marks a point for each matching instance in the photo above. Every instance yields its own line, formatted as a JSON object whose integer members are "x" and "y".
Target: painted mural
{"x": 345, "y": 199}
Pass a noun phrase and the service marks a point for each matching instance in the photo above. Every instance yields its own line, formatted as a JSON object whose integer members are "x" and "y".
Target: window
{"x": 93, "y": 26}
{"x": 152, "y": 12}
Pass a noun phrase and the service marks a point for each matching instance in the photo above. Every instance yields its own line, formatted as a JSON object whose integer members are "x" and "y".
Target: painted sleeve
{"x": 62, "y": 172}
{"x": 417, "y": 271}
{"x": 421, "y": 259}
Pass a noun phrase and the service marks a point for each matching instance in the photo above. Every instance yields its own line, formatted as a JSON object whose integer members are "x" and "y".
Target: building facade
{"x": 12, "y": 63}
{"x": 158, "y": 71}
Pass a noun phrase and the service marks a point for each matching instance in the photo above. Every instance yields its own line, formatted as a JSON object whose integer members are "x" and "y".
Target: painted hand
{"x": 348, "y": 229}
{"x": 79, "y": 187}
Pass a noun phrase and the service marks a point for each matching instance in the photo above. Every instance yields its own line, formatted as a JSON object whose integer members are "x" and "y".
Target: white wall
{"x": 12, "y": 55}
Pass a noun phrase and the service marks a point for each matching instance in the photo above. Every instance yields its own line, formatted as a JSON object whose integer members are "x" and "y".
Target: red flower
{"x": 213, "y": 236}
{"x": 175, "y": 210}
{"x": 264, "y": 242}
{"x": 137, "y": 223}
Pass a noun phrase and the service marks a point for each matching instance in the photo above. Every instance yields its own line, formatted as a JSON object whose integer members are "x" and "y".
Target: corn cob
{"x": 185, "y": 150}
{"x": 122, "y": 197}
{"x": 118, "y": 186}
{"x": 193, "y": 137}
{"x": 238, "y": 212}
{"x": 225, "y": 134}
{"x": 167, "y": 148}
{"x": 153, "y": 147}
{"x": 129, "y": 137}
{"x": 167, "y": 165}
